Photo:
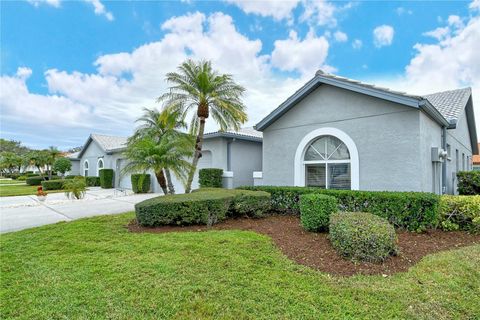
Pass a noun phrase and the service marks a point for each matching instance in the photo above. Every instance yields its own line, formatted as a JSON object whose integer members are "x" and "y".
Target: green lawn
{"x": 21, "y": 190}
{"x": 95, "y": 268}
{"x": 11, "y": 182}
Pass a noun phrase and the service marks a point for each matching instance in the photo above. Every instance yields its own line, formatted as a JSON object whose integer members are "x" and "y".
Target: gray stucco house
{"x": 238, "y": 153}
{"x": 339, "y": 133}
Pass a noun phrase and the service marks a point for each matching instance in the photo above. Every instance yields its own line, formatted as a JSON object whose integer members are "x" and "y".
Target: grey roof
{"x": 73, "y": 155}
{"x": 450, "y": 103}
{"x": 110, "y": 143}
{"x": 248, "y": 133}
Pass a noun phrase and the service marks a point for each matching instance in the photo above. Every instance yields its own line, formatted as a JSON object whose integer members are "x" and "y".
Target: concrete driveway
{"x": 22, "y": 212}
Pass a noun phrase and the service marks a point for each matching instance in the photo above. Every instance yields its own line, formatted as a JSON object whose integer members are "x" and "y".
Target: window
{"x": 463, "y": 161}
{"x": 457, "y": 163}
{"x": 99, "y": 165}
{"x": 85, "y": 168}
{"x": 327, "y": 164}
{"x": 449, "y": 152}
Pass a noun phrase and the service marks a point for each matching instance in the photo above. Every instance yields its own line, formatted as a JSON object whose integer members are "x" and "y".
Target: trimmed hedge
{"x": 460, "y": 213}
{"x": 106, "y": 178}
{"x": 53, "y": 185}
{"x": 362, "y": 236}
{"x": 468, "y": 182}
{"x": 413, "y": 211}
{"x": 210, "y": 178}
{"x": 72, "y": 177}
{"x": 140, "y": 183}
{"x": 22, "y": 178}
{"x": 205, "y": 207}
{"x": 315, "y": 211}
{"x": 90, "y": 181}
{"x": 34, "y": 181}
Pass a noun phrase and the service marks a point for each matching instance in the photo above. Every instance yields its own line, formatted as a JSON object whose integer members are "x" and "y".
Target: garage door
{"x": 122, "y": 180}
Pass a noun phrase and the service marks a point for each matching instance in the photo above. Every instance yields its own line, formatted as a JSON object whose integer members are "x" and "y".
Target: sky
{"x": 71, "y": 68}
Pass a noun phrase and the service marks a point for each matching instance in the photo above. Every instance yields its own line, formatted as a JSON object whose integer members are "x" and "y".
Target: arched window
{"x": 99, "y": 165}
{"x": 327, "y": 158}
{"x": 85, "y": 168}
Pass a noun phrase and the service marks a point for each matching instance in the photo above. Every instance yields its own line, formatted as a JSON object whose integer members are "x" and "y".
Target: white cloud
{"x": 357, "y": 44}
{"x": 100, "y": 9}
{"x": 340, "y": 36}
{"x": 401, "y": 11}
{"x": 53, "y": 3}
{"x": 383, "y": 35}
{"x": 277, "y": 9}
{"x": 475, "y": 5}
{"x": 305, "y": 56}
{"x": 319, "y": 12}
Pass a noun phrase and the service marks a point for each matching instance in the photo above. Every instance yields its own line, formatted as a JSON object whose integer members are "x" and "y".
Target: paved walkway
{"x": 22, "y": 212}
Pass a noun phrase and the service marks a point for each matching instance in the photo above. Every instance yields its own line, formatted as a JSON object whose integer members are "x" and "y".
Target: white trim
{"x": 299, "y": 164}
{"x": 98, "y": 167}
{"x": 227, "y": 174}
{"x": 88, "y": 167}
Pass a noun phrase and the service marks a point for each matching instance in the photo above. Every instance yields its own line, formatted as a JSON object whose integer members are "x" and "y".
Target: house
{"x": 339, "y": 133}
{"x": 238, "y": 153}
{"x": 476, "y": 161}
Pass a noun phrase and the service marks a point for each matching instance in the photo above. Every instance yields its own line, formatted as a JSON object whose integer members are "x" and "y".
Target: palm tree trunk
{"x": 161, "y": 181}
{"x": 196, "y": 156}
{"x": 171, "y": 188}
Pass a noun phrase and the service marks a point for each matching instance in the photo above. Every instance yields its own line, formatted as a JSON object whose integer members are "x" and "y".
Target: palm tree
{"x": 52, "y": 154}
{"x": 158, "y": 125}
{"x": 197, "y": 87}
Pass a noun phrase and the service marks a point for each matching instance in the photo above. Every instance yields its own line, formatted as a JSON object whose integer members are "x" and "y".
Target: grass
{"x": 21, "y": 190}
{"x": 2, "y": 182}
{"x": 95, "y": 268}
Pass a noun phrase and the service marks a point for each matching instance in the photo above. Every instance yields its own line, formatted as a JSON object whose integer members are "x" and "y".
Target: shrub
{"x": 210, "y": 178}
{"x": 205, "y": 207}
{"x": 31, "y": 174}
{"x": 53, "y": 185}
{"x": 106, "y": 178}
{"x": 75, "y": 188}
{"x": 315, "y": 211}
{"x": 414, "y": 211}
{"x": 362, "y": 236}
{"x": 73, "y": 177}
{"x": 460, "y": 212}
{"x": 22, "y": 178}
{"x": 140, "y": 183}
{"x": 468, "y": 182}
{"x": 62, "y": 165}
{"x": 34, "y": 181}
{"x": 92, "y": 181}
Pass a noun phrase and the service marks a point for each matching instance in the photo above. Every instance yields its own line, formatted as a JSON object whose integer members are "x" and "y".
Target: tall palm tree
{"x": 157, "y": 125}
{"x": 197, "y": 87}
{"x": 52, "y": 154}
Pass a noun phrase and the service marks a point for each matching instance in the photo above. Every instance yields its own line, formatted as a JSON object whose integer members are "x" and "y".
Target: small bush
{"x": 75, "y": 188}
{"x": 34, "y": 181}
{"x": 22, "y": 178}
{"x": 468, "y": 182}
{"x": 106, "y": 178}
{"x": 73, "y": 177}
{"x": 362, "y": 236}
{"x": 315, "y": 211}
{"x": 53, "y": 185}
{"x": 92, "y": 181}
{"x": 31, "y": 174}
{"x": 460, "y": 213}
{"x": 140, "y": 183}
{"x": 210, "y": 178}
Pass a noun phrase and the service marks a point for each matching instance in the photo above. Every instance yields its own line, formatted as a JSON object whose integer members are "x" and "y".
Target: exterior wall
{"x": 386, "y": 135}
{"x": 246, "y": 157}
{"x": 92, "y": 154}
{"x": 75, "y": 170}
{"x": 430, "y": 172}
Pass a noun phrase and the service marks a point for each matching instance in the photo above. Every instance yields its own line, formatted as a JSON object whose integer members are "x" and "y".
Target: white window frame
{"x": 98, "y": 167}
{"x": 299, "y": 163}
{"x": 87, "y": 168}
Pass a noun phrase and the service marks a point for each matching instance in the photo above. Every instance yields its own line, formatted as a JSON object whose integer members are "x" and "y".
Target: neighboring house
{"x": 476, "y": 161}
{"x": 343, "y": 134}
{"x": 239, "y": 154}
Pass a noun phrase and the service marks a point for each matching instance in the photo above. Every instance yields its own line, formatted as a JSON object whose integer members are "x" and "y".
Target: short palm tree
{"x": 197, "y": 87}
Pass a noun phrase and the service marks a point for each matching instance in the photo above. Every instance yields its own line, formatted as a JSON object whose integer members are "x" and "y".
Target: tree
{"x": 197, "y": 87}
{"x": 52, "y": 153}
{"x": 10, "y": 162}
{"x": 13, "y": 146}
{"x": 62, "y": 165}
{"x": 38, "y": 159}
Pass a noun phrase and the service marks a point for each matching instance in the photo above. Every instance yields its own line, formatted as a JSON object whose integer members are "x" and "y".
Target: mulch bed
{"x": 314, "y": 249}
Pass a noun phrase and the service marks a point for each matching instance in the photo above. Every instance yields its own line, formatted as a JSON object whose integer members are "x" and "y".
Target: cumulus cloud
{"x": 320, "y": 12}
{"x": 340, "y": 36}
{"x": 383, "y": 35}
{"x": 53, "y": 3}
{"x": 357, "y": 44}
{"x": 267, "y": 8}
{"x": 100, "y": 9}
{"x": 402, "y": 11}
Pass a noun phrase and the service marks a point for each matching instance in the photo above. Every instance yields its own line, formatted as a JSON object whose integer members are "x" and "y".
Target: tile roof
{"x": 450, "y": 103}
{"x": 247, "y": 133}
{"x": 110, "y": 143}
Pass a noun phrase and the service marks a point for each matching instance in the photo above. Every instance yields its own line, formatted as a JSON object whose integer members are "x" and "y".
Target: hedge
{"x": 90, "y": 181}
{"x": 210, "y": 178}
{"x": 34, "y": 181}
{"x": 468, "y": 182}
{"x": 460, "y": 213}
{"x": 315, "y": 211}
{"x": 53, "y": 185}
{"x": 413, "y": 211}
{"x": 140, "y": 183}
{"x": 362, "y": 236}
{"x": 72, "y": 177}
{"x": 106, "y": 178}
{"x": 206, "y": 207}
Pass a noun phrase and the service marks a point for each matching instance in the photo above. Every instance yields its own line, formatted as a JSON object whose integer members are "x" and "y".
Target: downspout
{"x": 444, "y": 163}
{"x": 229, "y": 154}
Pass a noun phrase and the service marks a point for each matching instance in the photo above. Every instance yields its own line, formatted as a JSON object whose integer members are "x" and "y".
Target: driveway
{"x": 22, "y": 212}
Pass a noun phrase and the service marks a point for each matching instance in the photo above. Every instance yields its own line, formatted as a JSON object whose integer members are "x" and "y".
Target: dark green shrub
{"x": 22, "y": 178}
{"x": 468, "y": 182}
{"x": 12, "y": 176}
{"x": 53, "y": 185}
{"x": 210, "y": 178}
{"x": 73, "y": 177}
{"x": 205, "y": 207}
{"x": 34, "y": 181}
{"x": 140, "y": 183}
{"x": 362, "y": 236}
{"x": 106, "y": 178}
{"x": 92, "y": 181}
{"x": 27, "y": 172}
{"x": 315, "y": 211}
{"x": 414, "y": 211}
{"x": 460, "y": 212}
{"x": 31, "y": 174}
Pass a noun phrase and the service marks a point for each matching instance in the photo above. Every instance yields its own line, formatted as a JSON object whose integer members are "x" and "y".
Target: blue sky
{"x": 69, "y": 68}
